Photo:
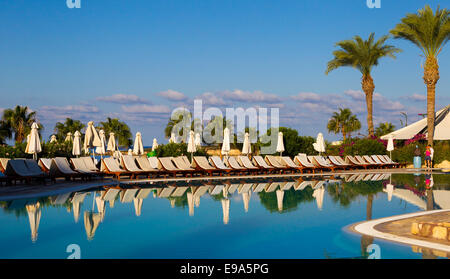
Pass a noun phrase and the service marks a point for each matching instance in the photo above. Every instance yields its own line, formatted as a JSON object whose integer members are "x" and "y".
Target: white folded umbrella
{"x": 53, "y": 139}
{"x": 226, "y": 142}
{"x": 138, "y": 148}
{"x": 111, "y": 143}
{"x": 390, "y": 145}
{"x": 101, "y": 149}
{"x": 246, "y": 147}
{"x": 191, "y": 148}
{"x": 68, "y": 137}
{"x": 76, "y": 147}
{"x": 155, "y": 144}
{"x": 91, "y": 138}
{"x": 280, "y": 144}
{"x": 34, "y": 143}
{"x": 319, "y": 145}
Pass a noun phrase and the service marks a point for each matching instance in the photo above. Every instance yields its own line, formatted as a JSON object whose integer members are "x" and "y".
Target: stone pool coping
{"x": 371, "y": 227}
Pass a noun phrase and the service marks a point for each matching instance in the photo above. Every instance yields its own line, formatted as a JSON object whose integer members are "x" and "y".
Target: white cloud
{"x": 307, "y": 96}
{"x": 355, "y": 94}
{"x": 212, "y": 99}
{"x": 248, "y": 96}
{"x": 122, "y": 99}
{"x": 172, "y": 95}
{"x": 146, "y": 109}
{"x": 417, "y": 97}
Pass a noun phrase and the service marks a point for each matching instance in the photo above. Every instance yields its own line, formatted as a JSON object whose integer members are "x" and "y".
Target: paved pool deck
{"x": 398, "y": 229}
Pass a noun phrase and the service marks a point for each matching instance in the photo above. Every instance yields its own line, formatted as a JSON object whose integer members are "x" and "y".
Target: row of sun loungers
{"x": 134, "y": 167}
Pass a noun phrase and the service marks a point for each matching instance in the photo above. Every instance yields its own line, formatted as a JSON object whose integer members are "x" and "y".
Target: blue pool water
{"x": 200, "y": 221}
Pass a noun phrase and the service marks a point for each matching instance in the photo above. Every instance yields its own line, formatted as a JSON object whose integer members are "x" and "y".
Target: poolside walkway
{"x": 398, "y": 229}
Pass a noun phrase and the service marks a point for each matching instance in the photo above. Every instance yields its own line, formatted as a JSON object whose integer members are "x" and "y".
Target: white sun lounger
{"x": 259, "y": 161}
{"x": 3, "y": 164}
{"x": 274, "y": 162}
{"x": 369, "y": 160}
{"x": 287, "y": 161}
{"x": 154, "y": 163}
{"x": 80, "y": 166}
{"x": 218, "y": 163}
{"x": 302, "y": 160}
{"x": 129, "y": 164}
{"x": 246, "y": 163}
{"x": 60, "y": 168}
{"x": 201, "y": 163}
{"x": 319, "y": 161}
{"x": 181, "y": 164}
{"x": 45, "y": 164}
{"x": 335, "y": 161}
{"x": 231, "y": 162}
{"x": 110, "y": 166}
{"x": 89, "y": 163}
{"x": 167, "y": 165}
{"x": 352, "y": 160}
{"x": 145, "y": 165}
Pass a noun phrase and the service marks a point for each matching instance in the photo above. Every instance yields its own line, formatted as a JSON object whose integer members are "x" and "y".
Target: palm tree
{"x": 384, "y": 129}
{"x": 429, "y": 31}
{"x": 120, "y": 129}
{"x": 362, "y": 55}
{"x": 5, "y": 132}
{"x": 177, "y": 117}
{"x": 69, "y": 125}
{"x": 343, "y": 122}
{"x": 19, "y": 120}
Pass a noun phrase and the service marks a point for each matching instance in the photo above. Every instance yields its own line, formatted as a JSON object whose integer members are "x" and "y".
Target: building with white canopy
{"x": 441, "y": 128}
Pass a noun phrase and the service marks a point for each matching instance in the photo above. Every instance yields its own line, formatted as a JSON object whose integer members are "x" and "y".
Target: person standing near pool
{"x": 428, "y": 157}
{"x": 417, "y": 158}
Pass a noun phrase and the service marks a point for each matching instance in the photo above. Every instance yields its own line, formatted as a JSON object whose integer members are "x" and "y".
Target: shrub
{"x": 176, "y": 149}
{"x": 357, "y": 146}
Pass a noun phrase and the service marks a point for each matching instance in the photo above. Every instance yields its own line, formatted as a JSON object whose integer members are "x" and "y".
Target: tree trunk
{"x": 368, "y": 87}
{"x": 430, "y": 78}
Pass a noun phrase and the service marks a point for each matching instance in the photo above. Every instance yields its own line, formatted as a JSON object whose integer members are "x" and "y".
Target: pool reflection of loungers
{"x": 136, "y": 195}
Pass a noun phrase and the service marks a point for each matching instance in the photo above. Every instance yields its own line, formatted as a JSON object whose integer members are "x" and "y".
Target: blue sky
{"x": 137, "y": 60}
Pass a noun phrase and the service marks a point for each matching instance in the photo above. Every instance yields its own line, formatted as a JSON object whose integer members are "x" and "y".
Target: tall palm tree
{"x": 362, "y": 55}
{"x": 69, "y": 125}
{"x": 19, "y": 120}
{"x": 429, "y": 31}
{"x": 343, "y": 122}
{"x": 384, "y": 129}
{"x": 120, "y": 129}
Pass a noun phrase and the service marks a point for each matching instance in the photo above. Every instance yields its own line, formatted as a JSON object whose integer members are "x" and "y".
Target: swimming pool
{"x": 266, "y": 219}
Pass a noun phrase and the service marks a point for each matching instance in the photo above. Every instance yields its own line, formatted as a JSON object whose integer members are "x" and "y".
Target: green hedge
{"x": 49, "y": 150}
{"x": 176, "y": 149}
{"x": 357, "y": 146}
